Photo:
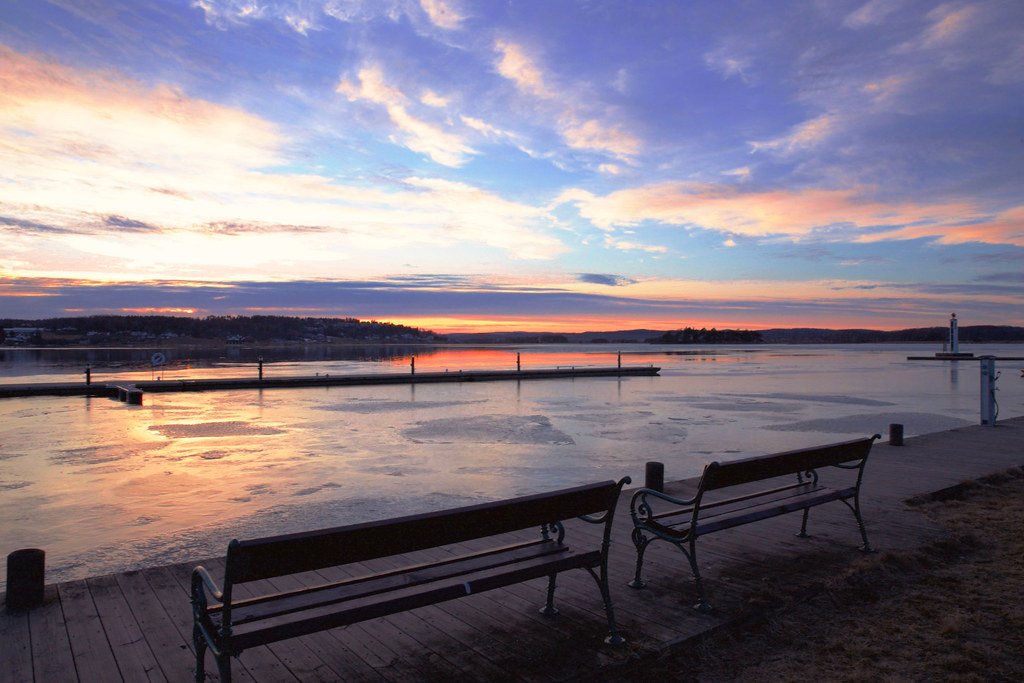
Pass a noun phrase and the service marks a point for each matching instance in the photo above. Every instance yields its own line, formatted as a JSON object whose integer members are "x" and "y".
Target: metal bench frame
{"x": 680, "y": 521}
{"x": 227, "y": 625}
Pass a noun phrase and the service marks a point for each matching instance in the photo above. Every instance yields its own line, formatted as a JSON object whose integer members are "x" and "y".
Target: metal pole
{"x": 988, "y": 391}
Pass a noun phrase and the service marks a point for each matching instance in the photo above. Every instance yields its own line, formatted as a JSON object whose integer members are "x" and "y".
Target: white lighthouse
{"x": 954, "y": 343}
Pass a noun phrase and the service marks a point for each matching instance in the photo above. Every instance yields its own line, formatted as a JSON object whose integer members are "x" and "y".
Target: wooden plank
{"x": 15, "y": 646}
{"x": 51, "y": 649}
{"x": 134, "y": 657}
{"x": 94, "y": 658}
{"x": 172, "y": 649}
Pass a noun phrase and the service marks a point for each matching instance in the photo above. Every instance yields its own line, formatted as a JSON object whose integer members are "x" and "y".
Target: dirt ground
{"x": 950, "y": 611}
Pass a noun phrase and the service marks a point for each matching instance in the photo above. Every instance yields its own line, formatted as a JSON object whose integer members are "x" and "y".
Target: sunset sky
{"x": 545, "y": 164}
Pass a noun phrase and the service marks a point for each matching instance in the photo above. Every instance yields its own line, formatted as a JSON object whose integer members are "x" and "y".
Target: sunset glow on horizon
{"x": 552, "y": 167}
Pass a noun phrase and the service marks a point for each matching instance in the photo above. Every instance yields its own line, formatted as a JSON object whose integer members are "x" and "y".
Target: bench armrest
{"x": 202, "y": 583}
{"x": 642, "y": 511}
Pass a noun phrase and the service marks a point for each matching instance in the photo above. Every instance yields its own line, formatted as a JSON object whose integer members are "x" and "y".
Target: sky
{"x": 552, "y": 165}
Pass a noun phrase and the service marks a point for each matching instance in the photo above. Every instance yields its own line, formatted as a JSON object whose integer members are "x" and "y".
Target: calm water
{"x": 103, "y": 486}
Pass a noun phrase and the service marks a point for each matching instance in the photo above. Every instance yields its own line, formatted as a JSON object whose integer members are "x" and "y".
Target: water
{"x": 103, "y": 486}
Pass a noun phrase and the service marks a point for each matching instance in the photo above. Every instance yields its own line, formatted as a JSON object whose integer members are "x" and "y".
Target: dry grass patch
{"x": 951, "y": 610}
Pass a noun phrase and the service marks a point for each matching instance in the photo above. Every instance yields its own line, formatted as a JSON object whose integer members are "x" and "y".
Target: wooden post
{"x": 620, "y": 360}
{"x": 260, "y": 361}
{"x": 88, "y": 375}
{"x": 412, "y": 364}
{"x": 519, "y": 368}
{"x": 895, "y": 434}
{"x": 654, "y": 476}
{"x": 25, "y": 569}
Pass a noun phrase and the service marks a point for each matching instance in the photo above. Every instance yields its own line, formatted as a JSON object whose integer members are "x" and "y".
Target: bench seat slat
{"x": 372, "y": 606}
{"x": 752, "y": 513}
{"x": 278, "y": 604}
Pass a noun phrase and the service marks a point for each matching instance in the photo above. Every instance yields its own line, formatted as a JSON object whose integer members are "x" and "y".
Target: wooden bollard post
{"x": 260, "y": 361}
{"x": 25, "y": 569}
{"x": 88, "y": 375}
{"x": 412, "y": 364}
{"x": 620, "y": 360}
{"x": 895, "y": 434}
{"x": 654, "y": 476}
{"x": 519, "y": 368}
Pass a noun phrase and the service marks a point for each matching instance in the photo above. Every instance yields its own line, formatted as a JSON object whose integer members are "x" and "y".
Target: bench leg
{"x": 549, "y": 610}
{"x": 641, "y": 545}
{"x": 200, "y": 645}
{"x": 803, "y": 525}
{"x": 703, "y": 605}
{"x": 860, "y": 525}
{"x": 224, "y": 667}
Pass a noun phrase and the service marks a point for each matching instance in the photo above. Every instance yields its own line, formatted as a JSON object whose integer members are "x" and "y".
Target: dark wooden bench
{"x": 743, "y": 491}
{"x": 228, "y": 625}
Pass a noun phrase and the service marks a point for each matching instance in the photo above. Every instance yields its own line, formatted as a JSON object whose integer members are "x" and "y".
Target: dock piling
{"x": 895, "y": 434}
{"x": 25, "y": 570}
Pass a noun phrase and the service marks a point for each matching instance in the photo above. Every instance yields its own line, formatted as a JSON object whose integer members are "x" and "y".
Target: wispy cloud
{"x": 801, "y": 137}
{"x": 795, "y": 214}
{"x": 442, "y": 146}
{"x": 517, "y": 66}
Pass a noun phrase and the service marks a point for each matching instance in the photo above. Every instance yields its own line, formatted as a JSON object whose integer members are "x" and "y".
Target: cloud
{"x": 432, "y": 99}
{"x": 604, "y": 279}
{"x": 518, "y": 67}
{"x": 801, "y": 137}
{"x": 1006, "y": 227}
{"x": 870, "y": 13}
{"x": 794, "y": 214}
{"x": 630, "y": 245}
{"x": 134, "y": 178}
{"x": 596, "y": 136}
{"x": 728, "y": 63}
{"x": 129, "y": 224}
{"x": 303, "y": 16}
{"x": 443, "y": 14}
{"x": 445, "y": 148}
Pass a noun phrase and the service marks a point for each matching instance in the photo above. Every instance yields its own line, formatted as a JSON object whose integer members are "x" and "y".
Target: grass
{"x": 952, "y": 610}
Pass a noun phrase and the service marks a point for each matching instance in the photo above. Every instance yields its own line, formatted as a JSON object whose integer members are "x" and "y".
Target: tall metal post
{"x": 988, "y": 391}
{"x": 954, "y": 337}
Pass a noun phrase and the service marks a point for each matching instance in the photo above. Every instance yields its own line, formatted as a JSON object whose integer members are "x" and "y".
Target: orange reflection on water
{"x": 455, "y": 359}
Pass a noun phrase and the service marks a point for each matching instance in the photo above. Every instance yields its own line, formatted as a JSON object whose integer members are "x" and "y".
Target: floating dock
{"x": 132, "y": 392}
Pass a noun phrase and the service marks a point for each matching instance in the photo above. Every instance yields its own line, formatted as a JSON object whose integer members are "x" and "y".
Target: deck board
{"x": 137, "y": 626}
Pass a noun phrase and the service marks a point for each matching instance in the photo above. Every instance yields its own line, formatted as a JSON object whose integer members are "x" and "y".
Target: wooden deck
{"x": 137, "y": 626}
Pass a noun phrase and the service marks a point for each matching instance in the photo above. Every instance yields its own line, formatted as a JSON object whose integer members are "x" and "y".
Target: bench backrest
{"x": 720, "y": 475}
{"x": 264, "y": 558}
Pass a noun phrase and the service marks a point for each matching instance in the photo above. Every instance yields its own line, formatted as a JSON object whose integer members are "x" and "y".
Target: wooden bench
{"x": 228, "y": 625}
{"x": 742, "y": 491}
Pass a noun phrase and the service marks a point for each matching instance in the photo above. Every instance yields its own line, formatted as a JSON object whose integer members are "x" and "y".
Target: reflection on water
{"x": 104, "y": 486}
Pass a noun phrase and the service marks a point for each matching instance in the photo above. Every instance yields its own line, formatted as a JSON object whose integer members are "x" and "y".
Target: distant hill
{"x": 968, "y": 333}
{"x": 147, "y": 329}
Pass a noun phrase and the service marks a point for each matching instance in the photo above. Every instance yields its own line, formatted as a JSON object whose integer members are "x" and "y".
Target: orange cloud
{"x": 789, "y": 213}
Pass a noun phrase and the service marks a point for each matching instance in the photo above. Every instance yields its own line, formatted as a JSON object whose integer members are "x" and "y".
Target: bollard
{"x": 620, "y": 360}
{"x": 88, "y": 375}
{"x": 895, "y": 434}
{"x": 260, "y": 360}
{"x": 412, "y": 364}
{"x": 654, "y": 476}
{"x": 519, "y": 367}
{"x": 25, "y": 570}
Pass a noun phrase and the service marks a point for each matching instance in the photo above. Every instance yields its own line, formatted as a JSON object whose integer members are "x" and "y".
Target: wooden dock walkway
{"x": 113, "y": 389}
{"x": 137, "y": 626}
